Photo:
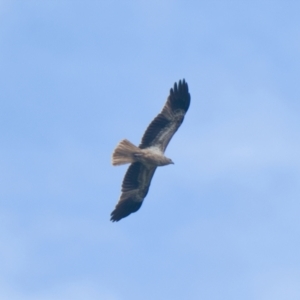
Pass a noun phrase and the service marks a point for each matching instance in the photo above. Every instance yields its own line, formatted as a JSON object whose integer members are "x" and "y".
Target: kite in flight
{"x": 150, "y": 154}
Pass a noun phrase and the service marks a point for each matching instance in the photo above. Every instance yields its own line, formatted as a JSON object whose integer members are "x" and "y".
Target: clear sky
{"x": 76, "y": 77}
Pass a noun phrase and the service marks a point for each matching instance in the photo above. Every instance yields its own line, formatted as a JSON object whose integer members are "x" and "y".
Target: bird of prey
{"x": 149, "y": 155}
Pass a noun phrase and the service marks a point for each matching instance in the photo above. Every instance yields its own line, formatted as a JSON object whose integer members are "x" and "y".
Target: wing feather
{"x": 135, "y": 187}
{"x": 162, "y": 128}
{"x": 131, "y": 178}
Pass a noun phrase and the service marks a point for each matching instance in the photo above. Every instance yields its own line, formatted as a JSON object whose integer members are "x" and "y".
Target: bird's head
{"x": 170, "y": 161}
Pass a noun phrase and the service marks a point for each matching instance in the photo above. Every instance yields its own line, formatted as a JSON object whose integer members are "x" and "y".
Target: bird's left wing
{"x": 135, "y": 187}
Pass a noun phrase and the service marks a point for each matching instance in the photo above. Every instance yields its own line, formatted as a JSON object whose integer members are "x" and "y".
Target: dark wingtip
{"x": 116, "y": 215}
{"x": 113, "y": 216}
{"x": 124, "y": 209}
{"x": 179, "y": 96}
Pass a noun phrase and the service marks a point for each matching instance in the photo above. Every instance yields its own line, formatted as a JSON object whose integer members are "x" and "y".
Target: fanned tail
{"x": 125, "y": 153}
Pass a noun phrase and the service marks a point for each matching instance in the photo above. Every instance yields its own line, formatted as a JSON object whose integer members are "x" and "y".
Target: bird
{"x": 149, "y": 155}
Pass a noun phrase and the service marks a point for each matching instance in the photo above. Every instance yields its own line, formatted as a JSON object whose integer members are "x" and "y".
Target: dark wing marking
{"x": 131, "y": 178}
{"x": 135, "y": 187}
{"x": 153, "y": 130}
{"x": 163, "y": 127}
{"x": 124, "y": 209}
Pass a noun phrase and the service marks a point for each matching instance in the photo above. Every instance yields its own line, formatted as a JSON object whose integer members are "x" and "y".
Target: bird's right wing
{"x": 162, "y": 128}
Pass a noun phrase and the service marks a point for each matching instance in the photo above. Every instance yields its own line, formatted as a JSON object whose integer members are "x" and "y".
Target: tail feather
{"x": 125, "y": 153}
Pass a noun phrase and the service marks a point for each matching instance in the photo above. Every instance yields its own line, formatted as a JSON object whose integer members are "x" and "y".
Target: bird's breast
{"x": 153, "y": 156}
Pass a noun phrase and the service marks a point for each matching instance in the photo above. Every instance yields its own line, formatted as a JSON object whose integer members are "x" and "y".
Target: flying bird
{"x": 149, "y": 155}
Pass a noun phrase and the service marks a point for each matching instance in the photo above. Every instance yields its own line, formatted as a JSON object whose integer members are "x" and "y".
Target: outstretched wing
{"x": 135, "y": 187}
{"x": 162, "y": 128}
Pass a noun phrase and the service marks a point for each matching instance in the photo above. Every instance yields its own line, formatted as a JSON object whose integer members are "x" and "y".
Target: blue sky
{"x": 79, "y": 76}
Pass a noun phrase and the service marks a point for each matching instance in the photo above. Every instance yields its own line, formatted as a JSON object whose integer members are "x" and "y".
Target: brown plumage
{"x": 150, "y": 154}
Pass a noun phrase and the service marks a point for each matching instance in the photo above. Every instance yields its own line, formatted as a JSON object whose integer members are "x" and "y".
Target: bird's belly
{"x": 150, "y": 158}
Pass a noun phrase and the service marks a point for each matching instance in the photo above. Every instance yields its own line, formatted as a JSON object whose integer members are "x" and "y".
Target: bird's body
{"x": 150, "y": 154}
{"x": 126, "y": 152}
